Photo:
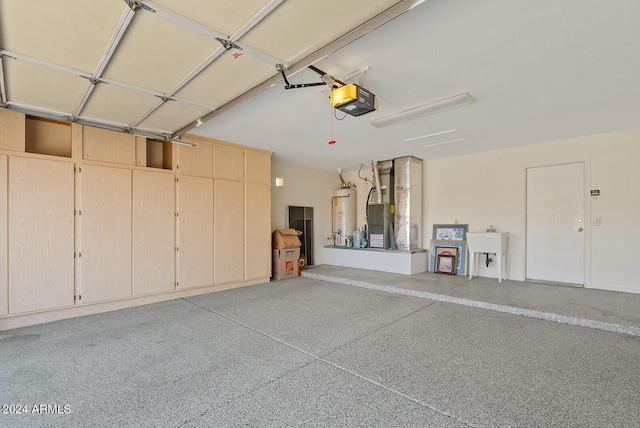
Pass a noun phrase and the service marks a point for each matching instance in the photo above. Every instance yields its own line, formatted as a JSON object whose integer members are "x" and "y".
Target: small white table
{"x": 490, "y": 243}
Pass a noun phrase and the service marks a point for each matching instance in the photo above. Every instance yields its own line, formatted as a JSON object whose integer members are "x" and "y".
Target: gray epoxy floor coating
{"x": 306, "y": 352}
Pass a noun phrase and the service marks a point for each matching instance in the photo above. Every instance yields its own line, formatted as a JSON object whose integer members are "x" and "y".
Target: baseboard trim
{"x": 8, "y": 322}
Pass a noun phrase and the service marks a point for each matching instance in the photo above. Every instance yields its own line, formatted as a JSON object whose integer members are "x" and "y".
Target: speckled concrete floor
{"x": 306, "y": 352}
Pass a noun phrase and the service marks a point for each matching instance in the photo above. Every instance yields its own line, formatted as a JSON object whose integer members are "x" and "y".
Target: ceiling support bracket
{"x": 133, "y": 5}
{"x": 228, "y": 44}
{"x": 375, "y": 22}
{"x": 77, "y": 73}
{"x": 207, "y": 32}
{"x": 125, "y": 20}
{"x": 3, "y": 89}
{"x": 136, "y": 5}
{"x": 327, "y": 80}
{"x": 93, "y": 80}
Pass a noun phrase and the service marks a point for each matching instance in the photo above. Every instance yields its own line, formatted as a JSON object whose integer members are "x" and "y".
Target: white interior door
{"x": 555, "y": 223}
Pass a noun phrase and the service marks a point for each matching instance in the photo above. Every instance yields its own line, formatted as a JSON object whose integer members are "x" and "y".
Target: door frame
{"x": 586, "y": 161}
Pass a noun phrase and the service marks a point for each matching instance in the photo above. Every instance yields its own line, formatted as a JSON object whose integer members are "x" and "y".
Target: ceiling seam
{"x": 210, "y": 33}
{"x": 19, "y": 57}
{"x": 184, "y": 22}
{"x": 373, "y": 23}
{"x": 120, "y": 30}
{"x": 82, "y": 74}
{"x": 147, "y": 113}
{"x": 104, "y": 124}
{"x": 204, "y": 64}
{"x": 125, "y": 20}
{"x": 206, "y": 31}
{"x": 257, "y": 18}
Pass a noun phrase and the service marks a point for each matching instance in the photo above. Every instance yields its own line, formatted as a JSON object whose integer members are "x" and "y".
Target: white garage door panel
{"x": 39, "y": 29}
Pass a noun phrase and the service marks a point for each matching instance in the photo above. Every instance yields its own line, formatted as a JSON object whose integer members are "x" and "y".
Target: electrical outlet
{"x": 597, "y": 221}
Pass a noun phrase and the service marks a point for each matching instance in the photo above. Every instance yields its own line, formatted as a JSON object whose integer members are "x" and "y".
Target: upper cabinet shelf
{"x": 108, "y": 146}
{"x": 47, "y": 137}
{"x": 211, "y": 158}
{"x": 12, "y": 130}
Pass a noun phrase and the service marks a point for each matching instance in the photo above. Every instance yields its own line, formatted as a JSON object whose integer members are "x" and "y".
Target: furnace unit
{"x": 394, "y": 206}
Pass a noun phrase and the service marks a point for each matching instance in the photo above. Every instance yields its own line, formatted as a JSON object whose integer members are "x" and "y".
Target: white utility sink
{"x": 487, "y": 242}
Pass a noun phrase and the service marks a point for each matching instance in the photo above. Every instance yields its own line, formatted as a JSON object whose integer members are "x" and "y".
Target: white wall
{"x": 489, "y": 189}
{"x": 305, "y": 187}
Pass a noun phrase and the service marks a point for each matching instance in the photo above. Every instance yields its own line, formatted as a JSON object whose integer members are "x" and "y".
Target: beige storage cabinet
{"x": 105, "y": 225}
{"x": 228, "y": 231}
{"x": 257, "y": 220}
{"x": 108, "y": 146}
{"x": 196, "y": 161}
{"x": 228, "y": 162}
{"x": 41, "y": 234}
{"x": 4, "y": 276}
{"x": 153, "y": 232}
{"x": 195, "y": 219}
{"x": 257, "y": 167}
{"x": 12, "y": 130}
{"x": 93, "y": 220}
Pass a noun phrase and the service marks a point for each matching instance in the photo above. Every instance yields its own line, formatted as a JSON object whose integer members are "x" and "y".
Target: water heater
{"x": 344, "y": 214}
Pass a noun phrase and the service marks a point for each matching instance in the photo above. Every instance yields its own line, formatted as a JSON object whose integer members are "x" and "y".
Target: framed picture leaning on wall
{"x": 446, "y": 263}
{"x": 450, "y": 232}
{"x": 446, "y": 247}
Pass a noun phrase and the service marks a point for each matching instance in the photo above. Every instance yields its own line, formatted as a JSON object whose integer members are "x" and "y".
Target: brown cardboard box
{"x": 286, "y": 238}
{"x": 286, "y": 263}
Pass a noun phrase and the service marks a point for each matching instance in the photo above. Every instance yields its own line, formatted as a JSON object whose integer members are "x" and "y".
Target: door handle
{"x": 580, "y": 229}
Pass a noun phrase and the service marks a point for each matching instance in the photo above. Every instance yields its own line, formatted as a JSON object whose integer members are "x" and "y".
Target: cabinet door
{"x": 229, "y": 231}
{"x": 257, "y": 166}
{"x": 196, "y": 160}
{"x": 153, "y": 232}
{"x": 41, "y": 235}
{"x": 105, "y": 228}
{"x": 108, "y": 146}
{"x": 12, "y": 130}
{"x": 4, "y": 277}
{"x": 195, "y": 229}
{"x": 228, "y": 162}
{"x": 257, "y": 230}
